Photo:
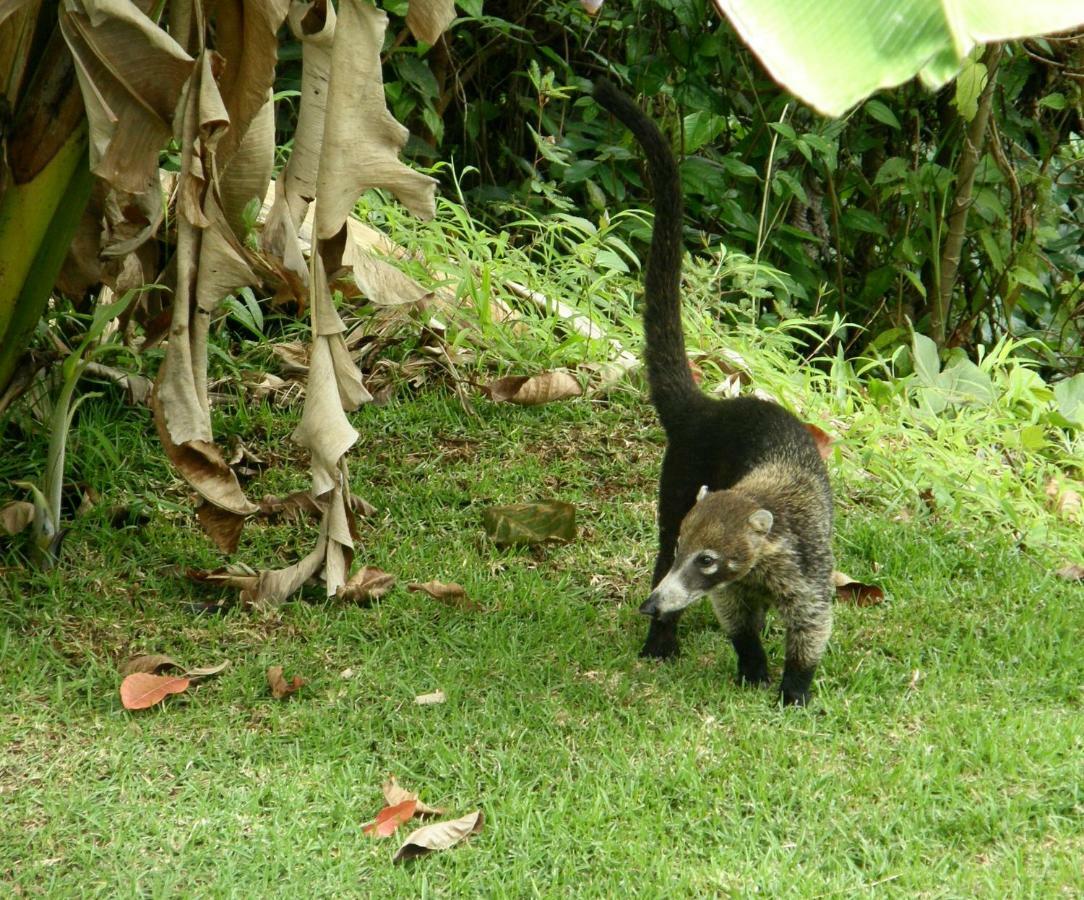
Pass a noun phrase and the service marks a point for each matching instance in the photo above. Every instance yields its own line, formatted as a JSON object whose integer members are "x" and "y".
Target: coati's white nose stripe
{"x": 672, "y": 594}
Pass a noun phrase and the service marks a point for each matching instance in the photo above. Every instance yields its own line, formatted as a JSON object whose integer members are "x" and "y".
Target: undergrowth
{"x": 1002, "y": 456}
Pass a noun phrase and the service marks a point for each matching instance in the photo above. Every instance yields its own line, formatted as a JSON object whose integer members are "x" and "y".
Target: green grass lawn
{"x": 942, "y": 755}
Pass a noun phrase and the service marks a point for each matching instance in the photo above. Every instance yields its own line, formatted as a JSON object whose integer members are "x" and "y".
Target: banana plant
{"x": 47, "y": 534}
{"x": 45, "y": 177}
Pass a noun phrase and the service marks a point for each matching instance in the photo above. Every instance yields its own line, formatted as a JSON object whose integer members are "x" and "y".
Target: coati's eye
{"x": 706, "y": 560}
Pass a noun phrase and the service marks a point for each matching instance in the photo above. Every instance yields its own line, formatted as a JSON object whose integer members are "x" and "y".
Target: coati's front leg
{"x": 742, "y": 618}
{"x": 809, "y": 624}
{"x": 678, "y": 484}
{"x": 662, "y": 642}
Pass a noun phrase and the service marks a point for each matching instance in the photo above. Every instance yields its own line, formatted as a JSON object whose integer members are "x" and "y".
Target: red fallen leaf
{"x": 390, "y": 818}
{"x": 821, "y": 438}
{"x": 850, "y": 591}
{"x": 141, "y": 690}
{"x": 280, "y": 687}
{"x": 439, "y": 836}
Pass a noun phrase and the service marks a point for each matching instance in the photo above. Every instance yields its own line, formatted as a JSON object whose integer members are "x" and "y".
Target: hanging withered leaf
{"x": 530, "y": 523}
{"x": 439, "y": 836}
{"x": 821, "y": 438}
{"x": 141, "y": 690}
{"x": 280, "y": 687}
{"x": 451, "y": 594}
{"x": 365, "y": 585}
{"x": 533, "y": 390}
{"x": 390, "y": 818}
{"x": 850, "y": 591}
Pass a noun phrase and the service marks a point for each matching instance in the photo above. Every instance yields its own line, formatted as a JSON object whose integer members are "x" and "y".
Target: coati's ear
{"x": 702, "y": 493}
{"x": 761, "y": 521}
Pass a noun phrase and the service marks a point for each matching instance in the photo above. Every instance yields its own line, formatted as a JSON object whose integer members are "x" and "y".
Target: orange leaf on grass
{"x": 391, "y": 817}
{"x": 280, "y": 687}
{"x": 141, "y": 690}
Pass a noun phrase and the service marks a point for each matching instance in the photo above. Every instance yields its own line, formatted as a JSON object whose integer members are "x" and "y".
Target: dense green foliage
{"x": 843, "y": 216}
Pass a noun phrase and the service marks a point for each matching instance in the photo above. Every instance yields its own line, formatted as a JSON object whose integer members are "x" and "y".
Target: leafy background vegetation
{"x": 847, "y": 216}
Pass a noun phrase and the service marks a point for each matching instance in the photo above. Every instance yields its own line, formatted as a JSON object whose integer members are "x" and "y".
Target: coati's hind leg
{"x": 809, "y": 624}
{"x": 741, "y": 614}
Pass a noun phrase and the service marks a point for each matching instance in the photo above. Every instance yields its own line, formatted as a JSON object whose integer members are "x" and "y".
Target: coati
{"x": 745, "y": 507}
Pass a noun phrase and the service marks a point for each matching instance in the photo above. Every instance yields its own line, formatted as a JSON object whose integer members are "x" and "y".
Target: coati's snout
{"x": 722, "y": 537}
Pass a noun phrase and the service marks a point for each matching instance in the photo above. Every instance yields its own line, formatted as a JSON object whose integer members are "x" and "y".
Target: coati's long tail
{"x": 668, "y": 373}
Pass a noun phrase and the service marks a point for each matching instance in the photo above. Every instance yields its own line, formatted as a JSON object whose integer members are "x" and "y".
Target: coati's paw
{"x": 754, "y": 674}
{"x": 794, "y": 690}
{"x": 793, "y": 698}
{"x": 659, "y": 648}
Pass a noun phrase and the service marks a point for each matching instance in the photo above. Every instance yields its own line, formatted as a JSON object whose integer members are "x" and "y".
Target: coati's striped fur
{"x": 745, "y": 508}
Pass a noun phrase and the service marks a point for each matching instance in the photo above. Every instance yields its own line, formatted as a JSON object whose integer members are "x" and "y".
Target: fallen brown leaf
{"x": 152, "y": 663}
{"x": 156, "y": 663}
{"x": 850, "y": 591}
{"x": 201, "y": 672}
{"x": 451, "y": 594}
{"x": 367, "y": 584}
{"x": 729, "y": 387}
{"x": 280, "y": 687}
{"x": 533, "y": 390}
{"x": 141, "y": 690}
{"x": 1065, "y": 502}
{"x": 396, "y": 793}
{"x": 1071, "y": 572}
{"x": 439, "y": 836}
{"x": 16, "y": 516}
{"x": 291, "y": 506}
{"x": 530, "y": 523}
{"x": 390, "y": 818}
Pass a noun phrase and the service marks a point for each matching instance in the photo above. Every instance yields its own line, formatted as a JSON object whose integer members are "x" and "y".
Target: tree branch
{"x": 974, "y": 140}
